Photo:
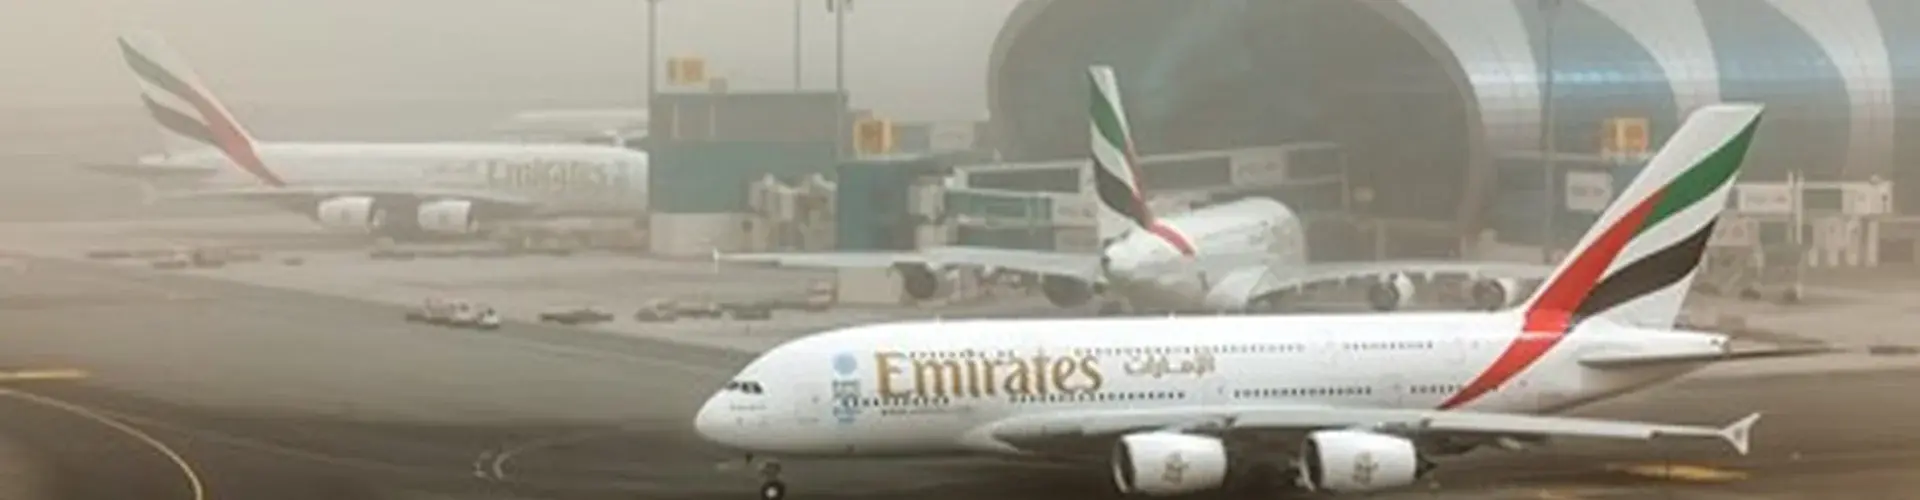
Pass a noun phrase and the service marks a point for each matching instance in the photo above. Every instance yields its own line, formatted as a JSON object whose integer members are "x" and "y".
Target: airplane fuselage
{"x": 563, "y": 176}
{"x": 1242, "y": 228}
{"x": 937, "y": 388}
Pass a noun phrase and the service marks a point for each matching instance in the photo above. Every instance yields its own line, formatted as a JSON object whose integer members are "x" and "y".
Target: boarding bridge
{"x": 1775, "y": 231}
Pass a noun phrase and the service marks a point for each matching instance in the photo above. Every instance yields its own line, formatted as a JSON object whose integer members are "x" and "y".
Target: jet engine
{"x": 1357, "y": 461}
{"x": 448, "y": 217}
{"x": 348, "y": 212}
{"x": 1065, "y": 292}
{"x": 1167, "y": 464}
{"x": 1390, "y": 292}
{"x": 922, "y": 282}
{"x": 1494, "y": 294}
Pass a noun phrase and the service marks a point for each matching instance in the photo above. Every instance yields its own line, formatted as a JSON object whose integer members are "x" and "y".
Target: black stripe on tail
{"x": 1116, "y": 195}
{"x": 1650, "y": 274}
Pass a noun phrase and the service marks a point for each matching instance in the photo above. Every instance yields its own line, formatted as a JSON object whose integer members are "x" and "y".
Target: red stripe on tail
{"x": 1549, "y": 318}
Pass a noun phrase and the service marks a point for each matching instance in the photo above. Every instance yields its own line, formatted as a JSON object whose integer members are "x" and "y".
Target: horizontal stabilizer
{"x": 1632, "y": 360}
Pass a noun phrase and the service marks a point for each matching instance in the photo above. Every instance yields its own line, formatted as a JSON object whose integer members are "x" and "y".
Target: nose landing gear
{"x": 771, "y": 488}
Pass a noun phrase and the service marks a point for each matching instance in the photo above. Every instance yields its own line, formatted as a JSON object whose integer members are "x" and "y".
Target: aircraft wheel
{"x": 773, "y": 490}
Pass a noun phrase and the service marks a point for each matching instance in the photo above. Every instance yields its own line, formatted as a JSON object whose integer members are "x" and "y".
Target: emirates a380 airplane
{"x": 1247, "y": 254}
{"x": 1348, "y": 403}
{"x": 392, "y": 189}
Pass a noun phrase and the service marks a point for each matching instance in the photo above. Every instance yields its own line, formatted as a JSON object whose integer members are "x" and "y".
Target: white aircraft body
{"x": 1247, "y": 254}
{"x": 1349, "y": 403}
{"x": 395, "y": 189}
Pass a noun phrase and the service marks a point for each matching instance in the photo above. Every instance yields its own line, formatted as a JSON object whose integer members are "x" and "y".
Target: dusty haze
{"x": 910, "y": 58}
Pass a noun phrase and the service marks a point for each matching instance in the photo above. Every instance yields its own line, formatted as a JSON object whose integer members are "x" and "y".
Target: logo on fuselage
{"x": 846, "y": 388}
{"x": 555, "y": 175}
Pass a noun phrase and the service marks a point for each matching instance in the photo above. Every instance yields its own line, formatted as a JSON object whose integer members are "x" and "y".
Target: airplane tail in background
{"x": 1122, "y": 204}
{"x": 1636, "y": 264}
{"x": 186, "y": 113}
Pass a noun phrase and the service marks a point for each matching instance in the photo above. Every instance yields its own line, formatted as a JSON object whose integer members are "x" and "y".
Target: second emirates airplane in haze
{"x": 402, "y": 190}
{"x": 1349, "y": 403}
{"x": 1247, "y": 254}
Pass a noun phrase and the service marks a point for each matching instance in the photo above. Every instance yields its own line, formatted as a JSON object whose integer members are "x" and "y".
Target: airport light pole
{"x": 653, "y": 50}
{"x": 1549, "y": 11}
{"x": 797, "y": 43}
{"x": 839, "y": 8}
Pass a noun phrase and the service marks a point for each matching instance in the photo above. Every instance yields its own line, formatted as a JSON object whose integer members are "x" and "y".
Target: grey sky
{"x": 911, "y": 59}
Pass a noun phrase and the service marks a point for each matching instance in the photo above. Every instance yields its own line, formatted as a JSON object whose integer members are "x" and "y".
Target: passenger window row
{"x": 1110, "y": 396}
{"x": 1034, "y": 399}
{"x": 1400, "y": 345}
{"x": 1217, "y": 349}
{"x": 1285, "y": 392}
{"x": 1434, "y": 389}
{"x": 1125, "y": 351}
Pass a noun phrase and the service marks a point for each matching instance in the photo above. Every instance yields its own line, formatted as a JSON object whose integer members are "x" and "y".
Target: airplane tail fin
{"x": 1121, "y": 202}
{"x": 1636, "y": 264}
{"x": 186, "y": 113}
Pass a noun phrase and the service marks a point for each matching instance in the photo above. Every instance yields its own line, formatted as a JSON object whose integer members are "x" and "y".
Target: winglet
{"x": 1739, "y": 432}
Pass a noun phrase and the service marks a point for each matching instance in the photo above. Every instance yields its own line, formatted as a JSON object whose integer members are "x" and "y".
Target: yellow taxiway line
{"x": 1680, "y": 472}
{"x": 186, "y": 469}
{"x": 54, "y": 374}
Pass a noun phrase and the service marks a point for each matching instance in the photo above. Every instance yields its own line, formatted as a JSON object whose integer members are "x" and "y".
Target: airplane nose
{"x": 710, "y": 422}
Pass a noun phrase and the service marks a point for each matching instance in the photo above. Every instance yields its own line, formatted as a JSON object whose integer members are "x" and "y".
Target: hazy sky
{"x": 911, "y": 59}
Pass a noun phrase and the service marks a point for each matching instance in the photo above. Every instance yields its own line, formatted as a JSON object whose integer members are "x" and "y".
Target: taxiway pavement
{"x": 273, "y": 389}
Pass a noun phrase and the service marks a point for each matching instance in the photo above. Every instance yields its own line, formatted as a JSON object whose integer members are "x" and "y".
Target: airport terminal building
{"x": 1433, "y": 101}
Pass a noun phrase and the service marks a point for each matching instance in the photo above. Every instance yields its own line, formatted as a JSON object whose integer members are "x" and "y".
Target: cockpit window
{"x": 742, "y": 386}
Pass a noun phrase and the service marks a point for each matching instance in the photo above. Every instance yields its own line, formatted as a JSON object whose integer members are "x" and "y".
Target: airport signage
{"x": 1588, "y": 191}
{"x": 1259, "y": 166}
{"x": 1773, "y": 198}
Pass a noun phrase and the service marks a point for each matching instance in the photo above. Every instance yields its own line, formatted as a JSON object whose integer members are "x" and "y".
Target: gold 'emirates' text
{"x": 903, "y": 375}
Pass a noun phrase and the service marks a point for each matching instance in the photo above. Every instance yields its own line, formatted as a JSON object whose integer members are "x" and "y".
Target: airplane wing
{"x": 304, "y": 196}
{"x": 1018, "y": 433}
{"x": 1082, "y": 266}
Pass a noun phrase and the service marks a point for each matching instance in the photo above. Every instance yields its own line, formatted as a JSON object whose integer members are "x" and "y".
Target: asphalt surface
{"x": 287, "y": 395}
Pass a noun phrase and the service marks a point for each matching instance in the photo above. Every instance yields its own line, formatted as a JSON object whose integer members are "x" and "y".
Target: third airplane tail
{"x": 1638, "y": 261}
{"x": 186, "y": 113}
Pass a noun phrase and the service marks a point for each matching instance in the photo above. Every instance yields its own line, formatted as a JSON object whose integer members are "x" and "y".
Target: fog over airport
{"x": 257, "y": 53}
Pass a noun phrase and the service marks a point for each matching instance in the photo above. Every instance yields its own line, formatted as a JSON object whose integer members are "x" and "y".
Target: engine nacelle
{"x": 1065, "y": 292}
{"x": 1358, "y": 461}
{"x": 1390, "y": 293}
{"x": 448, "y": 217}
{"x": 1166, "y": 464}
{"x": 348, "y": 212}
{"x": 921, "y": 282}
{"x": 1494, "y": 294}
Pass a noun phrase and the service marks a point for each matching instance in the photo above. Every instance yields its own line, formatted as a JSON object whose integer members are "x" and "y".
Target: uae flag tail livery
{"x": 1116, "y": 175}
{"x": 188, "y": 116}
{"x": 1636, "y": 264}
